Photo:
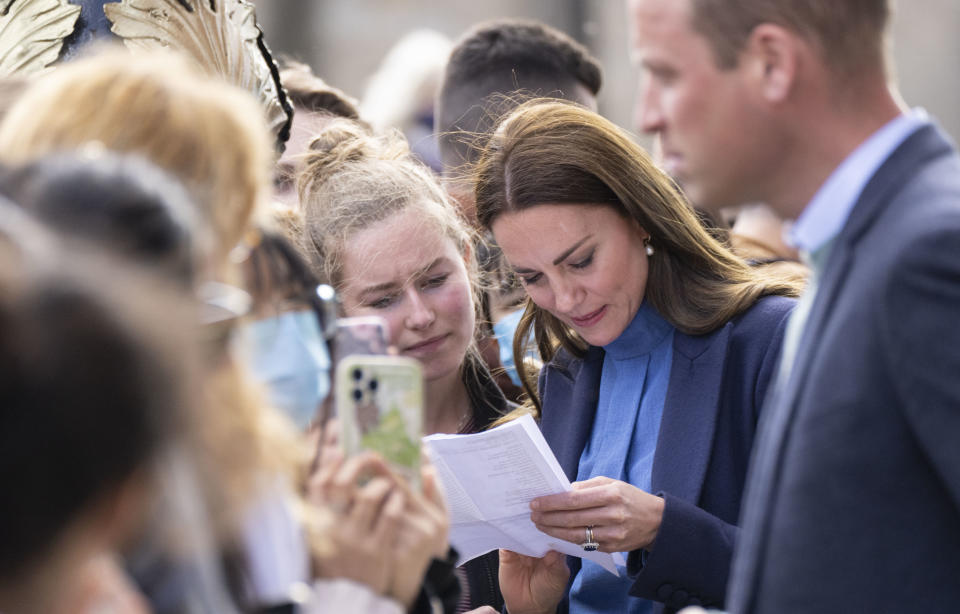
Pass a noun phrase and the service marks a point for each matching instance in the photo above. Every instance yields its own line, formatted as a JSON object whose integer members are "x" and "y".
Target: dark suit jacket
{"x": 854, "y": 496}
{"x": 717, "y": 384}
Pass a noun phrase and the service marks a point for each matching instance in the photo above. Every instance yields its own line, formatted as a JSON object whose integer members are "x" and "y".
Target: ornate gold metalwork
{"x": 220, "y": 35}
{"x": 32, "y": 33}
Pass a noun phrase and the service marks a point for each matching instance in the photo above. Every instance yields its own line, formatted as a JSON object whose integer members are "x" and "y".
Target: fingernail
{"x": 534, "y": 505}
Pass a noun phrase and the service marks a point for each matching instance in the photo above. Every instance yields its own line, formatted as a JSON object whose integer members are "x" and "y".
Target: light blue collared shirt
{"x": 827, "y": 212}
{"x": 633, "y": 390}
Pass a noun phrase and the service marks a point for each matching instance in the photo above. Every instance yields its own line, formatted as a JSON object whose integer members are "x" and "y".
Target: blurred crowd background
{"x": 346, "y": 42}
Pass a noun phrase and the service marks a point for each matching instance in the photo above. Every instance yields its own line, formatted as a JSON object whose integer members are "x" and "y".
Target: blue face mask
{"x": 504, "y": 330}
{"x": 288, "y": 356}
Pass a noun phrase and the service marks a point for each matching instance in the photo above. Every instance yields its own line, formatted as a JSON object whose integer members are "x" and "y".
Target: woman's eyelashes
{"x": 529, "y": 280}
{"x": 435, "y": 281}
{"x": 584, "y": 263}
{"x": 388, "y": 300}
{"x": 382, "y": 302}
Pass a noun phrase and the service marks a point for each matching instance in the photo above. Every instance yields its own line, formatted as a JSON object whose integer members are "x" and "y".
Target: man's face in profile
{"x": 700, "y": 112}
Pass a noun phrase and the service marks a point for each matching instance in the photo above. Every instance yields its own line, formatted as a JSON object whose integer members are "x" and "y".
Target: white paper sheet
{"x": 490, "y": 478}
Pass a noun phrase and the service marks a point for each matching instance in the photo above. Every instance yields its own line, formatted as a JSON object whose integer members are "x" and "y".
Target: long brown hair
{"x": 552, "y": 152}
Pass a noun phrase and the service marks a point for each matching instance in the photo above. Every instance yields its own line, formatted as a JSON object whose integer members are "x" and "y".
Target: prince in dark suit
{"x": 853, "y": 501}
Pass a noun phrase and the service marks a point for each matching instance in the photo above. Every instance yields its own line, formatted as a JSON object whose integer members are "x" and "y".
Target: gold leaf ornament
{"x": 32, "y": 33}
{"x": 222, "y": 36}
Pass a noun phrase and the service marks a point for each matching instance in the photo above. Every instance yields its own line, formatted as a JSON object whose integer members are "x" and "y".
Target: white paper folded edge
{"x": 489, "y": 479}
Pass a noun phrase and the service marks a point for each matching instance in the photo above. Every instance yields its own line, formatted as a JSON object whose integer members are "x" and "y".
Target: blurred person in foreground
{"x": 11, "y": 86}
{"x": 122, "y": 203}
{"x": 659, "y": 346}
{"x": 854, "y": 495}
{"x": 491, "y": 69}
{"x": 754, "y": 231}
{"x": 127, "y": 207}
{"x": 132, "y": 212}
{"x": 212, "y": 138}
{"x": 99, "y": 376}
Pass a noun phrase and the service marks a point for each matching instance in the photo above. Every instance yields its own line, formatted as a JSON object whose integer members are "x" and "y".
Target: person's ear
{"x": 772, "y": 56}
{"x": 638, "y": 229}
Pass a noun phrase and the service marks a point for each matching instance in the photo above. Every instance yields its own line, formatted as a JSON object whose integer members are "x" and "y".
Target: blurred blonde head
{"x": 213, "y": 138}
{"x": 210, "y": 135}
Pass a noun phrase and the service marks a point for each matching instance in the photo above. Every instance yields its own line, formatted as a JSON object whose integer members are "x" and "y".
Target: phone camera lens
{"x": 357, "y": 394}
{"x": 373, "y": 385}
{"x": 357, "y": 374}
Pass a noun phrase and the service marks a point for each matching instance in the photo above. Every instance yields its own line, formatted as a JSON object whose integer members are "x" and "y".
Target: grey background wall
{"x": 345, "y": 40}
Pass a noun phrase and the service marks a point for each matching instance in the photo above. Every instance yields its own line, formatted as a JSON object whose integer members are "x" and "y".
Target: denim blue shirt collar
{"x": 623, "y": 441}
{"x": 642, "y": 335}
{"x": 827, "y": 212}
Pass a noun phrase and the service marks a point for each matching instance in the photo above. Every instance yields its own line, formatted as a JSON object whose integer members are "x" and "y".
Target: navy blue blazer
{"x": 853, "y": 502}
{"x": 717, "y": 384}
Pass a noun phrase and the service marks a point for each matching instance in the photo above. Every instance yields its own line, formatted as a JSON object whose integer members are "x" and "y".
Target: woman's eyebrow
{"x": 573, "y": 248}
{"x": 566, "y": 254}
{"x": 391, "y": 285}
{"x": 378, "y": 288}
{"x": 429, "y": 267}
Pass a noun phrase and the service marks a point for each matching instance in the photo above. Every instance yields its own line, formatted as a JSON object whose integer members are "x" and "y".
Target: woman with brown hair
{"x": 660, "y": 345}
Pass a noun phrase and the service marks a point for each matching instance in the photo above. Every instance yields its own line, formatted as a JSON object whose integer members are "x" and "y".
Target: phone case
{"x": 380, "y": 407}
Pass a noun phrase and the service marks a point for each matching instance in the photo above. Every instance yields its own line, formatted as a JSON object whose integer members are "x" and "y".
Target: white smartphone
{"x": 380, "y": 408}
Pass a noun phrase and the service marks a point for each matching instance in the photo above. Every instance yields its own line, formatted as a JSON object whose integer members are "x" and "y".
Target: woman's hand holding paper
{"x": 622, "y": 517}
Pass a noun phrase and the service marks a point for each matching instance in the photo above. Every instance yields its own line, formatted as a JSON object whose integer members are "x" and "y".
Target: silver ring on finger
{"x": 589, "y": 545}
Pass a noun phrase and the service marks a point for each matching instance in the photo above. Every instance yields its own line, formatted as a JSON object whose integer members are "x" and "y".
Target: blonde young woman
{"x": 380, "y": 229}
{"x": 659, "y": 346}
{"x": 213, "y": 138}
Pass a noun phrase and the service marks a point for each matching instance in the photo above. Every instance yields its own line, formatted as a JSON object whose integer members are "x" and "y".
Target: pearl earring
{"x": 649, "y": 248}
